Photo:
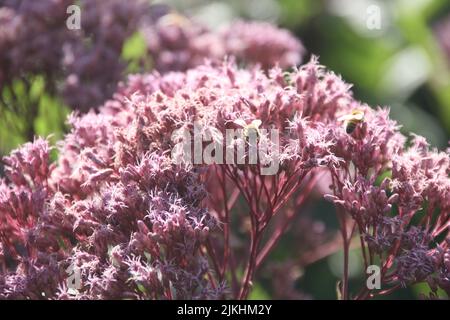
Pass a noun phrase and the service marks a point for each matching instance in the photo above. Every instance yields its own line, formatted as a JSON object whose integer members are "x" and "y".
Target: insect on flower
{"x": 352, "y": 120}
{"x": 249, "y": 128}
{"x": 174, "y": 19}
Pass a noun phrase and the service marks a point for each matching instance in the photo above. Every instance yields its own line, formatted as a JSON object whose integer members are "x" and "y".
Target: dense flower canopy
{"x": 137, "y": 225}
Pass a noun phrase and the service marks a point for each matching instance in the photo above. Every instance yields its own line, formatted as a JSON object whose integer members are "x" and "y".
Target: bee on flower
{"x": 352, "y": 120}
{"x": 250, "y": 128}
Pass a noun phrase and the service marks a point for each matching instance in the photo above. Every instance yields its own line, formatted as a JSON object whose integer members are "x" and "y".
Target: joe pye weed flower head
{"x": 138, "y": 224}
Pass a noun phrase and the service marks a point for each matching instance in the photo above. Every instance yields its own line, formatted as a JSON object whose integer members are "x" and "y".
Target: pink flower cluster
{"x": 84, "y": 66}
{"x": 136, "y": 225}
{"x": 178, "y": 43}
{"x": 262, "y": 43}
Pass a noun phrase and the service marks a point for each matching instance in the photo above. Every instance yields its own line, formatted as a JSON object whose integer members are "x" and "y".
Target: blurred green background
{"x": 399, "y": 65}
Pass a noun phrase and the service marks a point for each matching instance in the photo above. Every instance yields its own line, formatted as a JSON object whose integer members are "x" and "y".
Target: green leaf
{"x": 51, "y": 117}
{"x": 135, "y": 53}
{"x": 424, "y": 288}
{"x": 135, "y": 47}
{"x": 37, "y": 88}
{"x": 61, "y": 243}
{"x": 258, "y": 293}
{"x": 141, "y": 288}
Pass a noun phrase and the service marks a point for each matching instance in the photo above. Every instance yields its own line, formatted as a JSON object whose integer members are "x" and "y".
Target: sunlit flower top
{"x": 116, "y": 207}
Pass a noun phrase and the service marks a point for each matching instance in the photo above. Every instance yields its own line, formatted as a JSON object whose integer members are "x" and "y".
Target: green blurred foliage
{"x": 258, "y": 293}
{"x": 27, "y": 110}
{"x": 135, "y": 54}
